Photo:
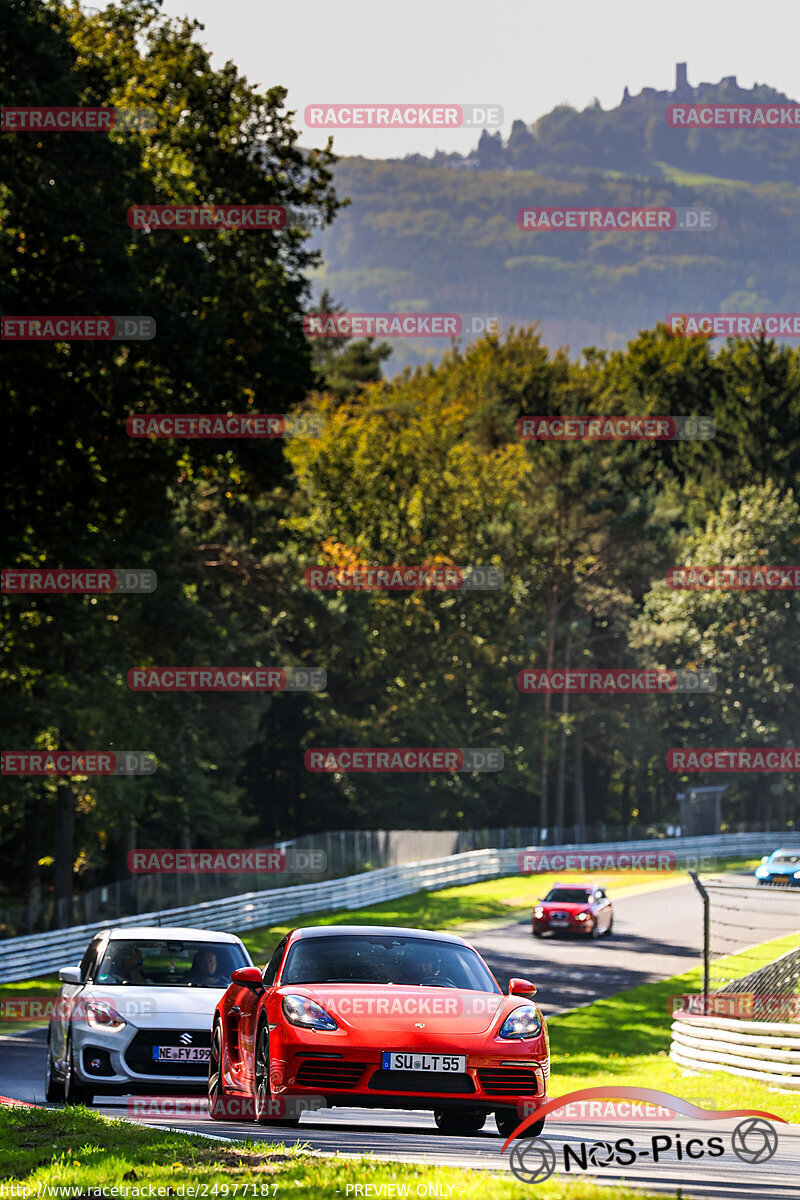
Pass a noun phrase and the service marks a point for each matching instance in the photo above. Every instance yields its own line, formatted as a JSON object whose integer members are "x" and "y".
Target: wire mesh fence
{"x": 754, "y": 968}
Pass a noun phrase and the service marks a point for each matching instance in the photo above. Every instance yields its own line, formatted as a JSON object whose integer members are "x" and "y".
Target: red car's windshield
{"x": 364, "y": 958}
{"x": 569, "y": 895}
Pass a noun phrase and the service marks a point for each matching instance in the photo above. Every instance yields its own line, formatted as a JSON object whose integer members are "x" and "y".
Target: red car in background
{"x": 378, "y": 1017}
{"x": 574, "y": 908}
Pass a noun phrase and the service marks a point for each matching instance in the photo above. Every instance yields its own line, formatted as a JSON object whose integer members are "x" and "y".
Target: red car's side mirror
{"x": 521, "y": 987}
{"x": 249, "y": 977}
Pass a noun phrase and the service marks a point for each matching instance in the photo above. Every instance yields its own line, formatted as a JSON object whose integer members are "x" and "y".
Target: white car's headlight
{"x": 102, "y": 1015}
{"x": 299, "y": 1010}
{"x": 523, "y": 1022}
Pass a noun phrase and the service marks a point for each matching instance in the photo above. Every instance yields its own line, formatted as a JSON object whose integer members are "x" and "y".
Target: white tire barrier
{"x": 766, "y": 1051}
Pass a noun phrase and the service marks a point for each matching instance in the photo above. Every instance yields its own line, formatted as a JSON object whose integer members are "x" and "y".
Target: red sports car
{"x": 574, "y": 908}
{"x": 378, "y": 1017}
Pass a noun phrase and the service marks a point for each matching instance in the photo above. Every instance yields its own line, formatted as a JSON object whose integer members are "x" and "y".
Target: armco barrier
{"x": 44, "y": 953}
{"x": 766, "y": 1051}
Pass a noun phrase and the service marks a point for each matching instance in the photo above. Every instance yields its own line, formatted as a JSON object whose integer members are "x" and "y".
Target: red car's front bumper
{"x": 543, "y": 925}
{"x": 355, "y": 1076}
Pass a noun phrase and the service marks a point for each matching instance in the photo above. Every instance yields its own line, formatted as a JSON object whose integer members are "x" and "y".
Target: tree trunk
{"x": 65, "y": 856}
{"x": 32, "y": 841}
{"x": 544, "y": 805}
{"x": 562, "y": 749}
{"x": 578, "y": 794}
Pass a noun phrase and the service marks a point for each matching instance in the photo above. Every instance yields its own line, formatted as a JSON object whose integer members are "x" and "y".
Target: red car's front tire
{"x": 508, "y": 1119}
{"x": 264, "y": 1102}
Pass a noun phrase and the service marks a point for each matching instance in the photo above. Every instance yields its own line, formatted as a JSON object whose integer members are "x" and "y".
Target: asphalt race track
{"x": 657, "y": 934}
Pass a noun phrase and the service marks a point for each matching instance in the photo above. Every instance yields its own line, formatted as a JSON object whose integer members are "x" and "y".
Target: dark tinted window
{"x": 89, "y": 960}
{"x": 381, "y": 959}
{"x": 569, "y": 895}
{"x": 271, "y": 969}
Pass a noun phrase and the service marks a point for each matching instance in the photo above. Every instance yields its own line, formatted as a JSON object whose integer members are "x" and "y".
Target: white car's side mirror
{"x": 70, "y": 974}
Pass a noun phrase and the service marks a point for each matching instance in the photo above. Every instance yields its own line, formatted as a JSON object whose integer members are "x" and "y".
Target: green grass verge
{"x": 78, "y": 1149}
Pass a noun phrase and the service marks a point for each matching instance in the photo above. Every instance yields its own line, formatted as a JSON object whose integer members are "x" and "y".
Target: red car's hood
{"x": 395, "y": 1008}
{"x": 559, "y": 906}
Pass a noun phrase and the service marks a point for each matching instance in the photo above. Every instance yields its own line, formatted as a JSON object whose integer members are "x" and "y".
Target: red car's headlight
{"x": 523, "y": 1022}
{"x": 299, "y": 1010}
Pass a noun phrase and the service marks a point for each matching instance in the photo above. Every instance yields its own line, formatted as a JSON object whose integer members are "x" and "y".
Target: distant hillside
{"x": 635, "y": 138}
{"x": 441, "y": 234}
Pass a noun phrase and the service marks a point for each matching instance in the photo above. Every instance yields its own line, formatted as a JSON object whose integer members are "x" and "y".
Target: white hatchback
{"x": 135, "y": 1015}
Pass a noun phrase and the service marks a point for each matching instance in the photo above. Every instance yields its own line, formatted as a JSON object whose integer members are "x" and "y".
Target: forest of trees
{"x": 419, "y": 468}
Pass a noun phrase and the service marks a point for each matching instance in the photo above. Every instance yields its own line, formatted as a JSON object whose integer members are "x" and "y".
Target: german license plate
{"x": 398, "y": 1060}
{"x": 181, "y": 1053}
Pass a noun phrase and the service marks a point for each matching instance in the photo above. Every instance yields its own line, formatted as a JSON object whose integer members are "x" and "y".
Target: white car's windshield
{"x": 170, "y": 963}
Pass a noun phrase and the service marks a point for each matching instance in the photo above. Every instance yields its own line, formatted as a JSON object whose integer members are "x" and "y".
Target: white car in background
{"x": 135, "y": 1015}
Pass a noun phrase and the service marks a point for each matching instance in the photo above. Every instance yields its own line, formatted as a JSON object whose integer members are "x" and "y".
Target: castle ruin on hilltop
{"x": 684, "y": 91}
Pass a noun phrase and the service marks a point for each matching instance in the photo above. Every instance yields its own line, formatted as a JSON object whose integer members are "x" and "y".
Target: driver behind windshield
{"x": 424, "y": 968}
{"x": 204, "y": 971}
{"x": 124, "y": 964}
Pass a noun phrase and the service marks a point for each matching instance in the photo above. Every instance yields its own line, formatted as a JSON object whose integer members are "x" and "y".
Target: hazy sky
{"x": 521, "y": 54}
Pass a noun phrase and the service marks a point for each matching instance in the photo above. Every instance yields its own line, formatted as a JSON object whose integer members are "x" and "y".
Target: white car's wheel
{"x": 53, "y": 1086}
{"x": 74, "y": 1092}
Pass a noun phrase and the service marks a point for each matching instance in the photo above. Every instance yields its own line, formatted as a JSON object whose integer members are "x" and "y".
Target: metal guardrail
{"x": 44, "y": 953}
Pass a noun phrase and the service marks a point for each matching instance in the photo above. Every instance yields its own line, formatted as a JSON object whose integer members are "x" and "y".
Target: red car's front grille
{"x": 322, "y": 1074}
{"x": 421, "y": 1081}
{"x": 508, "y": 1081}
